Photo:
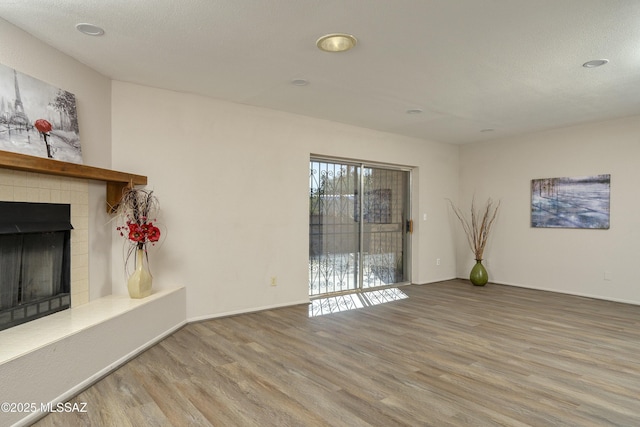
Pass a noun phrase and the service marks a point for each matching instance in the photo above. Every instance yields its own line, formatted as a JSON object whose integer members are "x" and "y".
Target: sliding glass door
{"x": 358, "y": 220}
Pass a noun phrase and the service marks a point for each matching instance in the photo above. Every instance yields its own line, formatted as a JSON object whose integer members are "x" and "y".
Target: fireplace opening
{"x": 35, "y": 261}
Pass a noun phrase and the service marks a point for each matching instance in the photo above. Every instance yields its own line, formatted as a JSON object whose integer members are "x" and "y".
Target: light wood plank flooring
{"x": 449, "y": 355}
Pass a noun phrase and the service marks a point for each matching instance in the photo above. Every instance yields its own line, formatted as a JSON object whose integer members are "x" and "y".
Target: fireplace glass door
{"x": 34, "y": 261}
{"x": 30, "y": 267}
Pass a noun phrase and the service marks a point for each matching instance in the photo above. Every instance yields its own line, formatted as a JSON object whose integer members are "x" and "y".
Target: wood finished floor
{"x": 449, "y": 355}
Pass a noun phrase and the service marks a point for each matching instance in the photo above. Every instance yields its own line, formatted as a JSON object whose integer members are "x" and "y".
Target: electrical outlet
{"x": 437, "y": 261}
{"x": 274, "y": 281}
{"x": 607, "y": 276}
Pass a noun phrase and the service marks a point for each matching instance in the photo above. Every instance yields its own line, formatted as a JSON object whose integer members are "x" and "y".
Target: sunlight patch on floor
{"x": 336, "y": 304}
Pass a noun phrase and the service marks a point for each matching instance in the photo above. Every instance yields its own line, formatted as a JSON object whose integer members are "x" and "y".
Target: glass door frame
{"x": 406, "y": 224}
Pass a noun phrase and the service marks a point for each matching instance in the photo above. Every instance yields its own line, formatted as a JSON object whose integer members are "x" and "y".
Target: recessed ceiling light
{"x": 90, "y": 29}
{"x": 595, "y": 63}
{"x": 414, "y": 111}
{"x": 299, "y": 82}
{"x": 487, "y": 130}
{"x": 336, "y": 42}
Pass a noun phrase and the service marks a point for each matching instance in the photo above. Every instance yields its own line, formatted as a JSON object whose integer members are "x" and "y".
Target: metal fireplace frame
{"x": 20, "y": 218}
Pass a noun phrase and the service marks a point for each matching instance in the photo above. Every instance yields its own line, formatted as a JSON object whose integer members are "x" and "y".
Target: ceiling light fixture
{"x": 595, "y": 63}
{"x": 90, "y": 29}
{"x": 414, "y": 111}
{"x": 336, "y": 42}
{"x": 299, "y": 82}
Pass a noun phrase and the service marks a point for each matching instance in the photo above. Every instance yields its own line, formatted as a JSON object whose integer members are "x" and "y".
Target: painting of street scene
{"x": 37, "y": 119}
{"x": 571, "y": 202}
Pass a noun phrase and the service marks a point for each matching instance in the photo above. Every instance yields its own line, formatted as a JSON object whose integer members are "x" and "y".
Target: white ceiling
{"x": 510, "y": 65}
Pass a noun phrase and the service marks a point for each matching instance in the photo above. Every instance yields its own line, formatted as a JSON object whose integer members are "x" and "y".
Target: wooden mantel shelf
{"x": 116, "y": 181}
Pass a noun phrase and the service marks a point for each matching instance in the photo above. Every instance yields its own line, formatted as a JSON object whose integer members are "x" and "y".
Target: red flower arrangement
{"x": 140, "y": 233}
{"x": 136, "y": 214}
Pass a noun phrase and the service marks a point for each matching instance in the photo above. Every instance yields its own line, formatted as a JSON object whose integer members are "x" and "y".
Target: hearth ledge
{"x": 29, "y": 337}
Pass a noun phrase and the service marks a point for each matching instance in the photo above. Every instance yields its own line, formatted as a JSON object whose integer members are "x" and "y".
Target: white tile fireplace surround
{"x": 19, "y": 186}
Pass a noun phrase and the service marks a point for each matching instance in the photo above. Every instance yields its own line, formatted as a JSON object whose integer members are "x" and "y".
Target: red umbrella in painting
{"x": 44, "y": 127}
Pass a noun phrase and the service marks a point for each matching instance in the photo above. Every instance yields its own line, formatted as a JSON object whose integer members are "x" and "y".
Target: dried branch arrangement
{"x": 135, "y": 218}
{"x": 477, "y": 229}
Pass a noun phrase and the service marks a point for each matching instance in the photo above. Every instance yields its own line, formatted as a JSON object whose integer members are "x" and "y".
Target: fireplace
{"x": 34, "y": 261}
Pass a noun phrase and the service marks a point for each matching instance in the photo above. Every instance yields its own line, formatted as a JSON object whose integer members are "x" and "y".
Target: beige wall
{"x": 564, "y": 260}
{"x": 29, "y": 55}
{"x": 233, "y": 186}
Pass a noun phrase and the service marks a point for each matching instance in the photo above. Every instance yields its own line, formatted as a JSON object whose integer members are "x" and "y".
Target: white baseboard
{"x": 577, "y": 294}
{"x": 253, "y": 310}
{"x": 444, "y": 279}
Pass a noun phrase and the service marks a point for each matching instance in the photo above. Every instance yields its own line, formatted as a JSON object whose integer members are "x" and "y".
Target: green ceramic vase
{"x": 479, "y": 276}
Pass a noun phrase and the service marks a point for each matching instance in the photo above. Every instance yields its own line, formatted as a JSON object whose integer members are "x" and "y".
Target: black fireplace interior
{"x": 35, "y": 261}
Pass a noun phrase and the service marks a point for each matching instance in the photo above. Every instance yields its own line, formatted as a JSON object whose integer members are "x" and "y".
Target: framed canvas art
{"x": 571, "y": 202}
{"x": 37, "y": 119}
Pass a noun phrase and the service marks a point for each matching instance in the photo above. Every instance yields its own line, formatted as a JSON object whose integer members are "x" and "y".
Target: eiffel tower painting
{"x": 18, "y": 118}
{"x": 27, "y": 103}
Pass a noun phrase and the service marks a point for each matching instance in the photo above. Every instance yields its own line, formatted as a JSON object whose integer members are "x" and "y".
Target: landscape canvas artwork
{"x": 571, "y": 202}
{"x": 37, "y": 118}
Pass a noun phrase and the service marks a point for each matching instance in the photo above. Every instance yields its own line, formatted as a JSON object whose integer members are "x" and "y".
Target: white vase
{"x": 139, "y": 283}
